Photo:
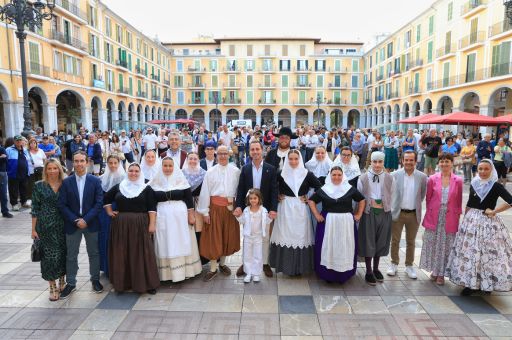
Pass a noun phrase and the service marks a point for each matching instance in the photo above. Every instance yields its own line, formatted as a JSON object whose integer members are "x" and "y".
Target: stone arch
{"x": 160, "y": 113}
{"x": 319, "y": 119}
{"x": 301, "y": 117}
{"x": 198, "y": 115}
{"x": 445, "y": 105}
{"x": 388, "y": 116}
{"x": 7, "y": 126}
{"x": 131, "y": 113}
{"x": 500, "y": 101}
{"x": 181, "y": 114}
{"x": 232, "y": 114}
{"x": 427, "y": 106}
{"x": 70, "y": 110}
{"x": 337, "y": 116}
{"x": 353, "y": 117}
{"x": 215, "y": 119}
{"x": 38, "y": 100}
{"x": 415, "y": 109}
{"x": 111, "y": 107}
{"x": 140, "y": 114}
{"x": 96, "y": 107}
{"x": 267, "y": 117}
{"x": 470, "y": 102}
{"x": 147, "y": 113}
{"x": 284, "y": 118}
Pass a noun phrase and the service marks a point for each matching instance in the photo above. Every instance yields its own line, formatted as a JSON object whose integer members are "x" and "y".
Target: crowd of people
{"x": 158, "y": 206}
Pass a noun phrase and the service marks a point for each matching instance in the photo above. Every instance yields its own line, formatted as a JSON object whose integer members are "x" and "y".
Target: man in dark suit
{"x": 263, "y": 176}
{"x": 210, "y": 160}
{"x": 80, "y": 203}
{"x": 179, "y": 156}
{"x": 277, "y": 156}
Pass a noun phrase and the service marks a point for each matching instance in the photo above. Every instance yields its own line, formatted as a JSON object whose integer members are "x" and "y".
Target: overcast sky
{"x": 184, "y": 20}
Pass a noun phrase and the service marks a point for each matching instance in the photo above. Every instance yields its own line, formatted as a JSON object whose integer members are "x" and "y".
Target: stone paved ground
{"x": 226, "y": 308}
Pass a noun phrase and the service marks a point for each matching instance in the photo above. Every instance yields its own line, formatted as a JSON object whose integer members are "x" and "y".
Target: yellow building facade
{"x": 290, "y": 82}
{"x": 455, "y": 56}
{"x": 86, "y": 67}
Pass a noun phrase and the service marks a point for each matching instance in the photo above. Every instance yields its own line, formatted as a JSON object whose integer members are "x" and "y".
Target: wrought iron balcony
{"x": 68, "y": 40}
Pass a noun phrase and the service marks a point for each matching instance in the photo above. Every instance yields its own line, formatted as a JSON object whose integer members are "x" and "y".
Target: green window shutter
{"x": 504, "y": 58}
{"x": 355, "y": 66}
{"x": 302, "y": 97}
{"x": 353, "y": 98}
{"x": 431, "y": 25}
{"x": 130, "y": 86}
{"x": 284, "y": 97}
{"x": 130, "y": 62}
{"x": 319, "y": 81}
{"x": 284, "y": 81}
{"x": 250, "y": 97}
{"x": 120, "y": 80}
{"x": 446, "y": 74}
{"x": 495, "y": 59}
{"x": 337, "y": 65}
{"x": 430, "y": 51}
{"x": 337, "y": 97}
{"x": 470, "y": 68}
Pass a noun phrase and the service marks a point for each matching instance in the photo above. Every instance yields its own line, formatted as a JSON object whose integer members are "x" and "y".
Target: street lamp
{"x": 508, "y": 10}
{"x": 318, "y": 102}
{"x": 216, "y": 98}
{"x": 31, "y": 14}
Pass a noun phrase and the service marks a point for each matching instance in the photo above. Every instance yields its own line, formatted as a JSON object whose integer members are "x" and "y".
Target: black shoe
{"x": 468, "y": 291}
{"x": 378, "y": 275}
{"x": 67, "y": 292}
{"x": 152, "y": 291}
{"x": 370, "y": 279}
{"x": 97, "y": 287}
{"x": 8, "y": 215}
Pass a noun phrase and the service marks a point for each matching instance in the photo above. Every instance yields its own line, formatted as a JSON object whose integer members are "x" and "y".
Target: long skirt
{"x": 103, "y": 237}
{"x": 292, "y": 240}
{"x": 436, "y": 246}
{"x": 132, "y": 260}
{"x": 390, "y": 158}
{"x": 321, "y": 270}
{"x": 175, "y": 243}
{"x": 481, "y": 256}
{"x": 222, "y": 236}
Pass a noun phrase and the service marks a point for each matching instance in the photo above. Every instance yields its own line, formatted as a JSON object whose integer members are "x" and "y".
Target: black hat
{"x": 286, "y": 131}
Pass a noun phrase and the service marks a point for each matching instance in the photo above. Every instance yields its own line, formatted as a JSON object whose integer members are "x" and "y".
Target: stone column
{"x": 362, "y": 120}
{"x": 102, "y": 119}
{"x": 293, "y": 121}
{"x": 11, "y": 116}
{"x": 402, "y": 116}
{"x": 86, "y": 118}
{"x": 310, "y": 117}
{"x": 224, "y": 118}
{"x": 276, "y": 118}
{"x": 327, "y": 121}
{"x": 344, "y": 119}
{"x": 484, "y": 111}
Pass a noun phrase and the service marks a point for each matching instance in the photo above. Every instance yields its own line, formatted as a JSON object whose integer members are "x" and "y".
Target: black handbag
{"x": 36, "y": 252}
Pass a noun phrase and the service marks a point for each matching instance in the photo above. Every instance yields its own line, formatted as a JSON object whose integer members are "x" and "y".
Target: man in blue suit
{"x": 80, "y": 202}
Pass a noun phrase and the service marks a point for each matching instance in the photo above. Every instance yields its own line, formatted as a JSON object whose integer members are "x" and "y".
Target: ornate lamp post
{"x": 508, "y": 10}
{"x": 23, "y": 13}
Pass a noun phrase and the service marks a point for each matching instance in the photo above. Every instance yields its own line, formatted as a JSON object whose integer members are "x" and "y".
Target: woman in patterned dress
{"x": 481, "y": 256}
{"x": 48, "y": 226}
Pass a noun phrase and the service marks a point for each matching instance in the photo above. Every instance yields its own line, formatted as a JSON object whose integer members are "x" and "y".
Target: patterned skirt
{"x": 481, "y": 257}
{"x": 436, "y": 246}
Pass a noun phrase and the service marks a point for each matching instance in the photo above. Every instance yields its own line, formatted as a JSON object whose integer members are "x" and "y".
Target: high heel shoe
{"x": 54, "y": 292}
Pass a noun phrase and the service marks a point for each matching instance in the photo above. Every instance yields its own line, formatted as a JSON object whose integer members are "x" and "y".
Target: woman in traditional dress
{"x": 349, "y": 165}
{"x": 336, "y": 232}
{"x": 175, "y": 242}
{"x": 113, "y": 175}
{"x": 441, "y": 221}
{"x": 195, "y": 176}
{"x": 131, "y": 254}
{"x": 320, "y": 164}
{"x": 150, "y": 165}
{"x": 481, "y": 256}
{"x": 291, "y": 243}
{"x": 48, "y": 226}
{"x": 391, "y": 145}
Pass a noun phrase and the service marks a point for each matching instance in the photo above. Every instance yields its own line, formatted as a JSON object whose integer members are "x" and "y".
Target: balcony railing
{"x": 156, "y": 97}
{"x": 267, "y": 85}
{"x": 231, "y": 85}
{"x": 380, "y": 77}
{"x": 167, "y": 100}
{"x": 500, "y": 27}
{"x": 72, "y": 8}
{"x": 413, "y": 90}
{"x": 68, "y": 40}
{"x": 68, "y": 77}
{"x": 263, "y": 101}
{"x": 98, "y": 83}
{"x": 368, "y": 101}
{"x": 471, "y": 5}
{"x": 196, "y": 85}
{"x": 472, "y": 39}
{"x": 302, "y": 85}
{"x": 393, "y": 94}
{"x": 302, "y": 69}
{"x": 196, "y": 101}
{"x": 167, "y": 82}
{"x": 232, "y": 101}
{"x": 337, "y": 85}
{"x": 396, "y": 72}
{"x": 141, "y": 94}
{"x": 379, "y": 98}
{"x": 38, "y": 69}
{"x": 267, "y": 69}
{"x": 445, "y": 50}
{"x": 368, "y": 82}
{"x": 231, "y": 69}
{"x": 155, "y": 77}
{"x": 416, "y": 63}
{"x": 337, "y": 69}
{"x": 196, "y": 69}
{"x": 122, "y": 63}
{"x": 122, "y": 90}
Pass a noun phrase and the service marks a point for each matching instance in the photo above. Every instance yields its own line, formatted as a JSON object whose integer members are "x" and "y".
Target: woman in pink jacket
{"x": 441, "y": 221}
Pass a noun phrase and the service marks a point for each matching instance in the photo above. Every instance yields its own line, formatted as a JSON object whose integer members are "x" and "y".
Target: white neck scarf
{"x": 319, "y": 168}
{"x": 336, "y": 191}
{"x": 483, "y": 186}
{"x": 150, "y": 171}
{"x": 350, "y": 170}
{"x": 294, "y": 177}
{"x": 176, "y": 181}
{"x": 111, "y": 178}
{"x": 131, "y": 189}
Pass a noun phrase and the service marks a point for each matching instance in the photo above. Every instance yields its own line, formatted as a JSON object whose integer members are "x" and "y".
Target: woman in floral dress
{"x": 481, "y": 257}
{"x": 48, "y": 226}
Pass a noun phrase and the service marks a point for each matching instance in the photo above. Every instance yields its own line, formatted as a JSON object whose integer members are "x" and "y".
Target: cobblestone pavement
{"x": 226, "y": 308}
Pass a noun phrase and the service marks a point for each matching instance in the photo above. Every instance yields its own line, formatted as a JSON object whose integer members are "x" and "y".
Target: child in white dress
{"x": 255, "y": 221}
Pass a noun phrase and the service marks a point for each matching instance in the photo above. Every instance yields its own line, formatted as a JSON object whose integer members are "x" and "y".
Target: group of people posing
{"x": 166, "y": 217}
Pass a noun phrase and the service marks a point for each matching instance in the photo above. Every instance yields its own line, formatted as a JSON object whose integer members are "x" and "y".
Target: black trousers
{"x": 18, "y": 188}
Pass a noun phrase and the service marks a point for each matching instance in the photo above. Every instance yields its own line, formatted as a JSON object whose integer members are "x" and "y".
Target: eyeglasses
{"x": 222, "y": 154}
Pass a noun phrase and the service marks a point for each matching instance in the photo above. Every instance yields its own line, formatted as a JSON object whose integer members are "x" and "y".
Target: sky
{"x": 330, "y": 20}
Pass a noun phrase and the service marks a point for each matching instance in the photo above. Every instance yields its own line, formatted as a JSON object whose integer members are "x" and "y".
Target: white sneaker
{"x": 255, "y": 278}
{"x": 411, "y": 272}
{"x": 16, "y": 207}
{"x": 392, "y": 269}
{"x": 247, "y": 278}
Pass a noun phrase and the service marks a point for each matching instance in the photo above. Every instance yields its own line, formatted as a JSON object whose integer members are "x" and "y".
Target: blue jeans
{"x": 3, "y": 192}
{"x": 73, "y": 247}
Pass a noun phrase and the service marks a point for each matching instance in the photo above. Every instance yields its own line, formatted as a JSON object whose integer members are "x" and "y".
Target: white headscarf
{"x": 149, "y": 171}
{"x": 483, "y": 186}
{"x": 111, "y": 178}
{"x": 195, "y": 175}
{"x": 319, "y": 168}
{"x": 336, "y": 191}
{"x": 176, "y": 181}
{"x": 350, "y": 170}
{"x": 294, "y": 177}
{"x": 131, "y": 189}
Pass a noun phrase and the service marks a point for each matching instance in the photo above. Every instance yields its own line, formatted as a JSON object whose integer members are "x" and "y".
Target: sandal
{"x": 54, "y": 292}
{"x": 62, "y": 283}
{"x": 440, "y": 281}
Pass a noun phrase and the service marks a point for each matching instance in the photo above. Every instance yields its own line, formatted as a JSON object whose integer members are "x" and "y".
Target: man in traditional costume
{"x": 221, "y": 232}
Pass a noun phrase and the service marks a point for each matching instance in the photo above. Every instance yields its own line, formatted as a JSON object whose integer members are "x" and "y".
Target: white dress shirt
{"x": 219, "y": 181}
{"x": 125, "y": 144}
{"x": 408, "y": 194}
{"x": 80, "y": 182}
{"x": 209, "y": 163}
{"x": 175, "y": 155}
{"x": 256, "y": 175}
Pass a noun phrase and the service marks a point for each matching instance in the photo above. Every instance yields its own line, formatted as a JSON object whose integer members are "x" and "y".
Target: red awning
{"x": 507, "y": 119}
{"x": 416, "y": 119}
{"x": 460, "y": 118}
{"x": 173, "y": 121}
